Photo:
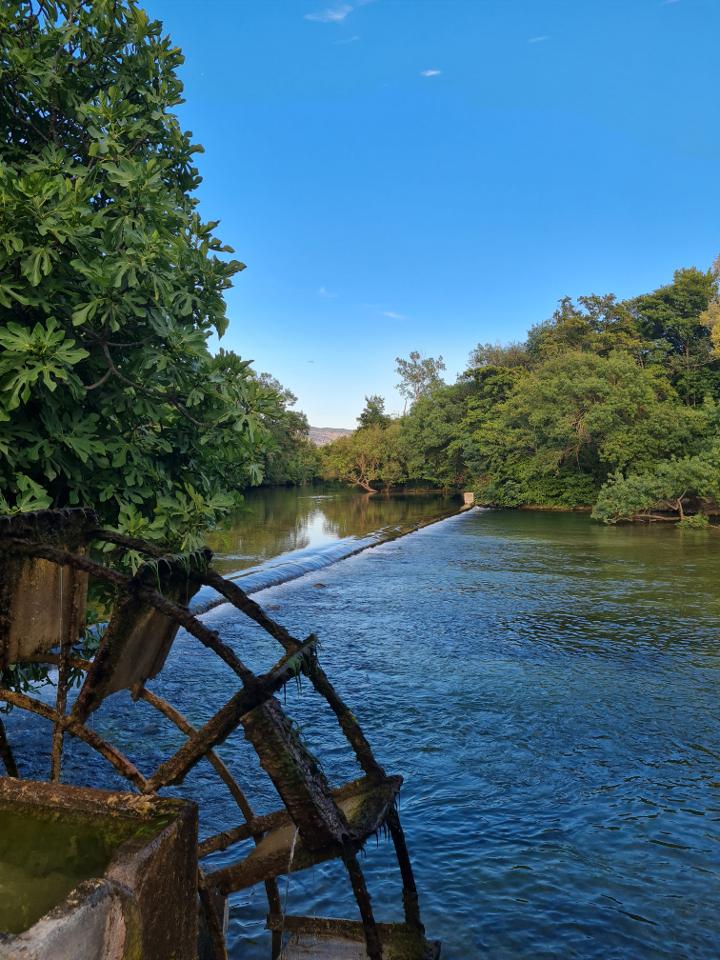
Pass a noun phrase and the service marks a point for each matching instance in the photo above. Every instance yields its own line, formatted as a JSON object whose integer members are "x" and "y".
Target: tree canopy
{"x": 373, "y": 414}
{"x": 418, "y": 375}
{"x": 111, "y": 283}
{"x": 608, "y": 402}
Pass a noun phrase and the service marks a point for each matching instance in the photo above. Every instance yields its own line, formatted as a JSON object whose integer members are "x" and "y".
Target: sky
{"x": 429, "y": 174}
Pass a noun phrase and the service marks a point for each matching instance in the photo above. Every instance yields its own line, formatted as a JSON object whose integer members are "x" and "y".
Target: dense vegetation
{"x": 611, "y": 404}
{"x": 111, "y": 285}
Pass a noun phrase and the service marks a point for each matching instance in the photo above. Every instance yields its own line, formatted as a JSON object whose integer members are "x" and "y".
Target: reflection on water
{"x": 278, "y": 520}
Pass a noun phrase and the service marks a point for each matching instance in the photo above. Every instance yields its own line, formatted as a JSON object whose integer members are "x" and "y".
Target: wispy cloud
{"x": 334, "y": 14}
{"x": 341, "y": 43}
{"x": 432, "y": 72}
{"x": 666, "y": 3}
{"x": 326, "y": 294}
{"x": 394, "y": 316}
{"x": 541, "y": 39}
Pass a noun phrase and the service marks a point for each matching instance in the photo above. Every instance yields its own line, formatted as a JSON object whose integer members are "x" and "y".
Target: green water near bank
{"x": 42, "y": 859}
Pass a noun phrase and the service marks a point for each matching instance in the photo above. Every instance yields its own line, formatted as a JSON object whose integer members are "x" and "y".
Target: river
{"x": 548, "y": 688}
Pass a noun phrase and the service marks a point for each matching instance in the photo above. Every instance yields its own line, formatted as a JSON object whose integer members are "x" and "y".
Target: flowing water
{"x": 547, "y": 686}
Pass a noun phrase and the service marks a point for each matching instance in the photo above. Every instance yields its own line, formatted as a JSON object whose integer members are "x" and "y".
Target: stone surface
{"x": 143, "y": 906}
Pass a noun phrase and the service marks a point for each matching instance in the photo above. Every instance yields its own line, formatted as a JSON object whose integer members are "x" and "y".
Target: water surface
{"x": 43, "y": 858}
{"x": 303, "y": 521}
{"x": 547, "y": 686}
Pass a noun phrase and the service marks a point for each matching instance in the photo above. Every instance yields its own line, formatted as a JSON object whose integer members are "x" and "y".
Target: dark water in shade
{"x": 41, "y": 861}
{"x": 547, "y": 686}
{"x": 43, "y": 857}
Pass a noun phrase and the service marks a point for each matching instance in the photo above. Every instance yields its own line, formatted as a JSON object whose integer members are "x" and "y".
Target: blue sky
{"x": 428, "y": 174}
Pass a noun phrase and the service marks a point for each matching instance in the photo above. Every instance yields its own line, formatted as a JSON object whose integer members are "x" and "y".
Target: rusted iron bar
{"x": 182, "y": 615}
{"x": 362, "y": 898}
{"x": 6, "y": 754}
{"x": 270, "y": 821}
{"x": 79, "y": 663}
{"x": 239, "y": 599}
{"x": 185, "y": 727}
{"x": 131, "y": 543}
{"x": 345, "y": 717}
{"x": 69, "y": 634}
{"x": 214, "y": 923}
{"x": 221, "y": 725}
{"x": 254, "y": 827}
{"x": 297, "y": 776}
{"x": 411, "y": 904}
{"x": 167, "y": 710}
{"x": 319, "y": 679}
{"x": 105, "y": 749}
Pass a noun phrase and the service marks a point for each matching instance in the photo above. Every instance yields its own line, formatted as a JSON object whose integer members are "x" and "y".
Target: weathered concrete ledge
{"x": 144, "y": 902}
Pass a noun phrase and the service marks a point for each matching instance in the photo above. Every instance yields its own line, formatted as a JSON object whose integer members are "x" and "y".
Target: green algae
{"x": 43, "y": 856}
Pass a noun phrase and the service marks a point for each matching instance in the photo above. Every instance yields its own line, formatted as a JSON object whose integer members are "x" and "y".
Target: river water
{"x": 548, "y": 688}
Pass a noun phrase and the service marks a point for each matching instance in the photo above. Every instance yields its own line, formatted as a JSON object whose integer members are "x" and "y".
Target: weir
{"x": 316, "y": 822}
{"x": 298, "y": 563}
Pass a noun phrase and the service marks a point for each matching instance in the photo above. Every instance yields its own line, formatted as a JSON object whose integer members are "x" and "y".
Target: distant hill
{"x": 322, "y": 435}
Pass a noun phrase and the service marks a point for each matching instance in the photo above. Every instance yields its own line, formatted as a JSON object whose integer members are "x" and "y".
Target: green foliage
{"x": 374, "y": 413}
{"x": 419, "y": 375}
{"x": 671, "y": 319}
{"x": 486, "y": 355}
{"x": 608, "y": 402}
{"x": 368, "y": 457}
{"x": 290, "y": 457}
{"x": 111, "y": 284}
{"x": 596, "y": 324}
{"x": 666, "y": 486}
{"x": 432, "y": 437}
{"x": 581, "y": 414}
{"x": 696, "y": 521}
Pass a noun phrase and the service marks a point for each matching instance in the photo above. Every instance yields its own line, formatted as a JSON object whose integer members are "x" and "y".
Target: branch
{"x": 100, "y": 382}
{"x": 151, "y": 394}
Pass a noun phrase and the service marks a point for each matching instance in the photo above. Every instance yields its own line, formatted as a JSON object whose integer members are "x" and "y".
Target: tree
{"x": 594, "y": 324}
{"x": 574, "y": 419}
{"x": 374, "y": 413}
{"x": 418, "y": 375}
{"x": 368, "y": 456}
{"x": 710, "y": 317}
{"x": 432, "y": 439}
{"x": 290, "y": 457}
{"x": 496, "y": 355}
{"x": 110, "y": 282}
{"x": 666, "y": 486}
{"x": 670, "y": 317}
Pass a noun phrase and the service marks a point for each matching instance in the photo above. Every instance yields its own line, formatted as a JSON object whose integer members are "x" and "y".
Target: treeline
{"x": 608, "y": 404}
